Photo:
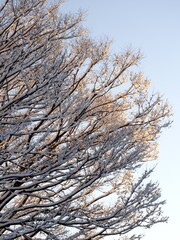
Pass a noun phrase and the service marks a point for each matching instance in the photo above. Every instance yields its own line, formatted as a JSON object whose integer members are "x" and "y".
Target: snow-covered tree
{"x": 77, "y": 124}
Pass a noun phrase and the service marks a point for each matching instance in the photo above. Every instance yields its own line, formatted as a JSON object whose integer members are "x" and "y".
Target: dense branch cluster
{"x": 76, "y": 125}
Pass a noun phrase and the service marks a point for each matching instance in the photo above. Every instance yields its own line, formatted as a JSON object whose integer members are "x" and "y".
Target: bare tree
{"x": 77, "y": 123}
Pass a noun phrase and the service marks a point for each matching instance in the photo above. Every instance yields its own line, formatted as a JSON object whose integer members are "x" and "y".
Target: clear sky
{"x": 154, "y": 27}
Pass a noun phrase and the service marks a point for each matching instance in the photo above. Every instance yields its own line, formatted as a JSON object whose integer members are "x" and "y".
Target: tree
{"x": 77, "y": 124}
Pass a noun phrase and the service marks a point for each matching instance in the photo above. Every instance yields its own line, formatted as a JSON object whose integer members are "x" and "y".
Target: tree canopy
{"x": 77, "y": 124}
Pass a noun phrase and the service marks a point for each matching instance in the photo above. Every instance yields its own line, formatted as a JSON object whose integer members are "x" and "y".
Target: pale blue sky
{"x": 154, "y": 27}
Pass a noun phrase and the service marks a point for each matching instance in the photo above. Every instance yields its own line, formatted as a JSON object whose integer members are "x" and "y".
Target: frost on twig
{"x": 76, "y": 125}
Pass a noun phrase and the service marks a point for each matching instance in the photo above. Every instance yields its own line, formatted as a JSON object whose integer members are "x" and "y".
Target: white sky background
{"x": 154, "y": 27}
